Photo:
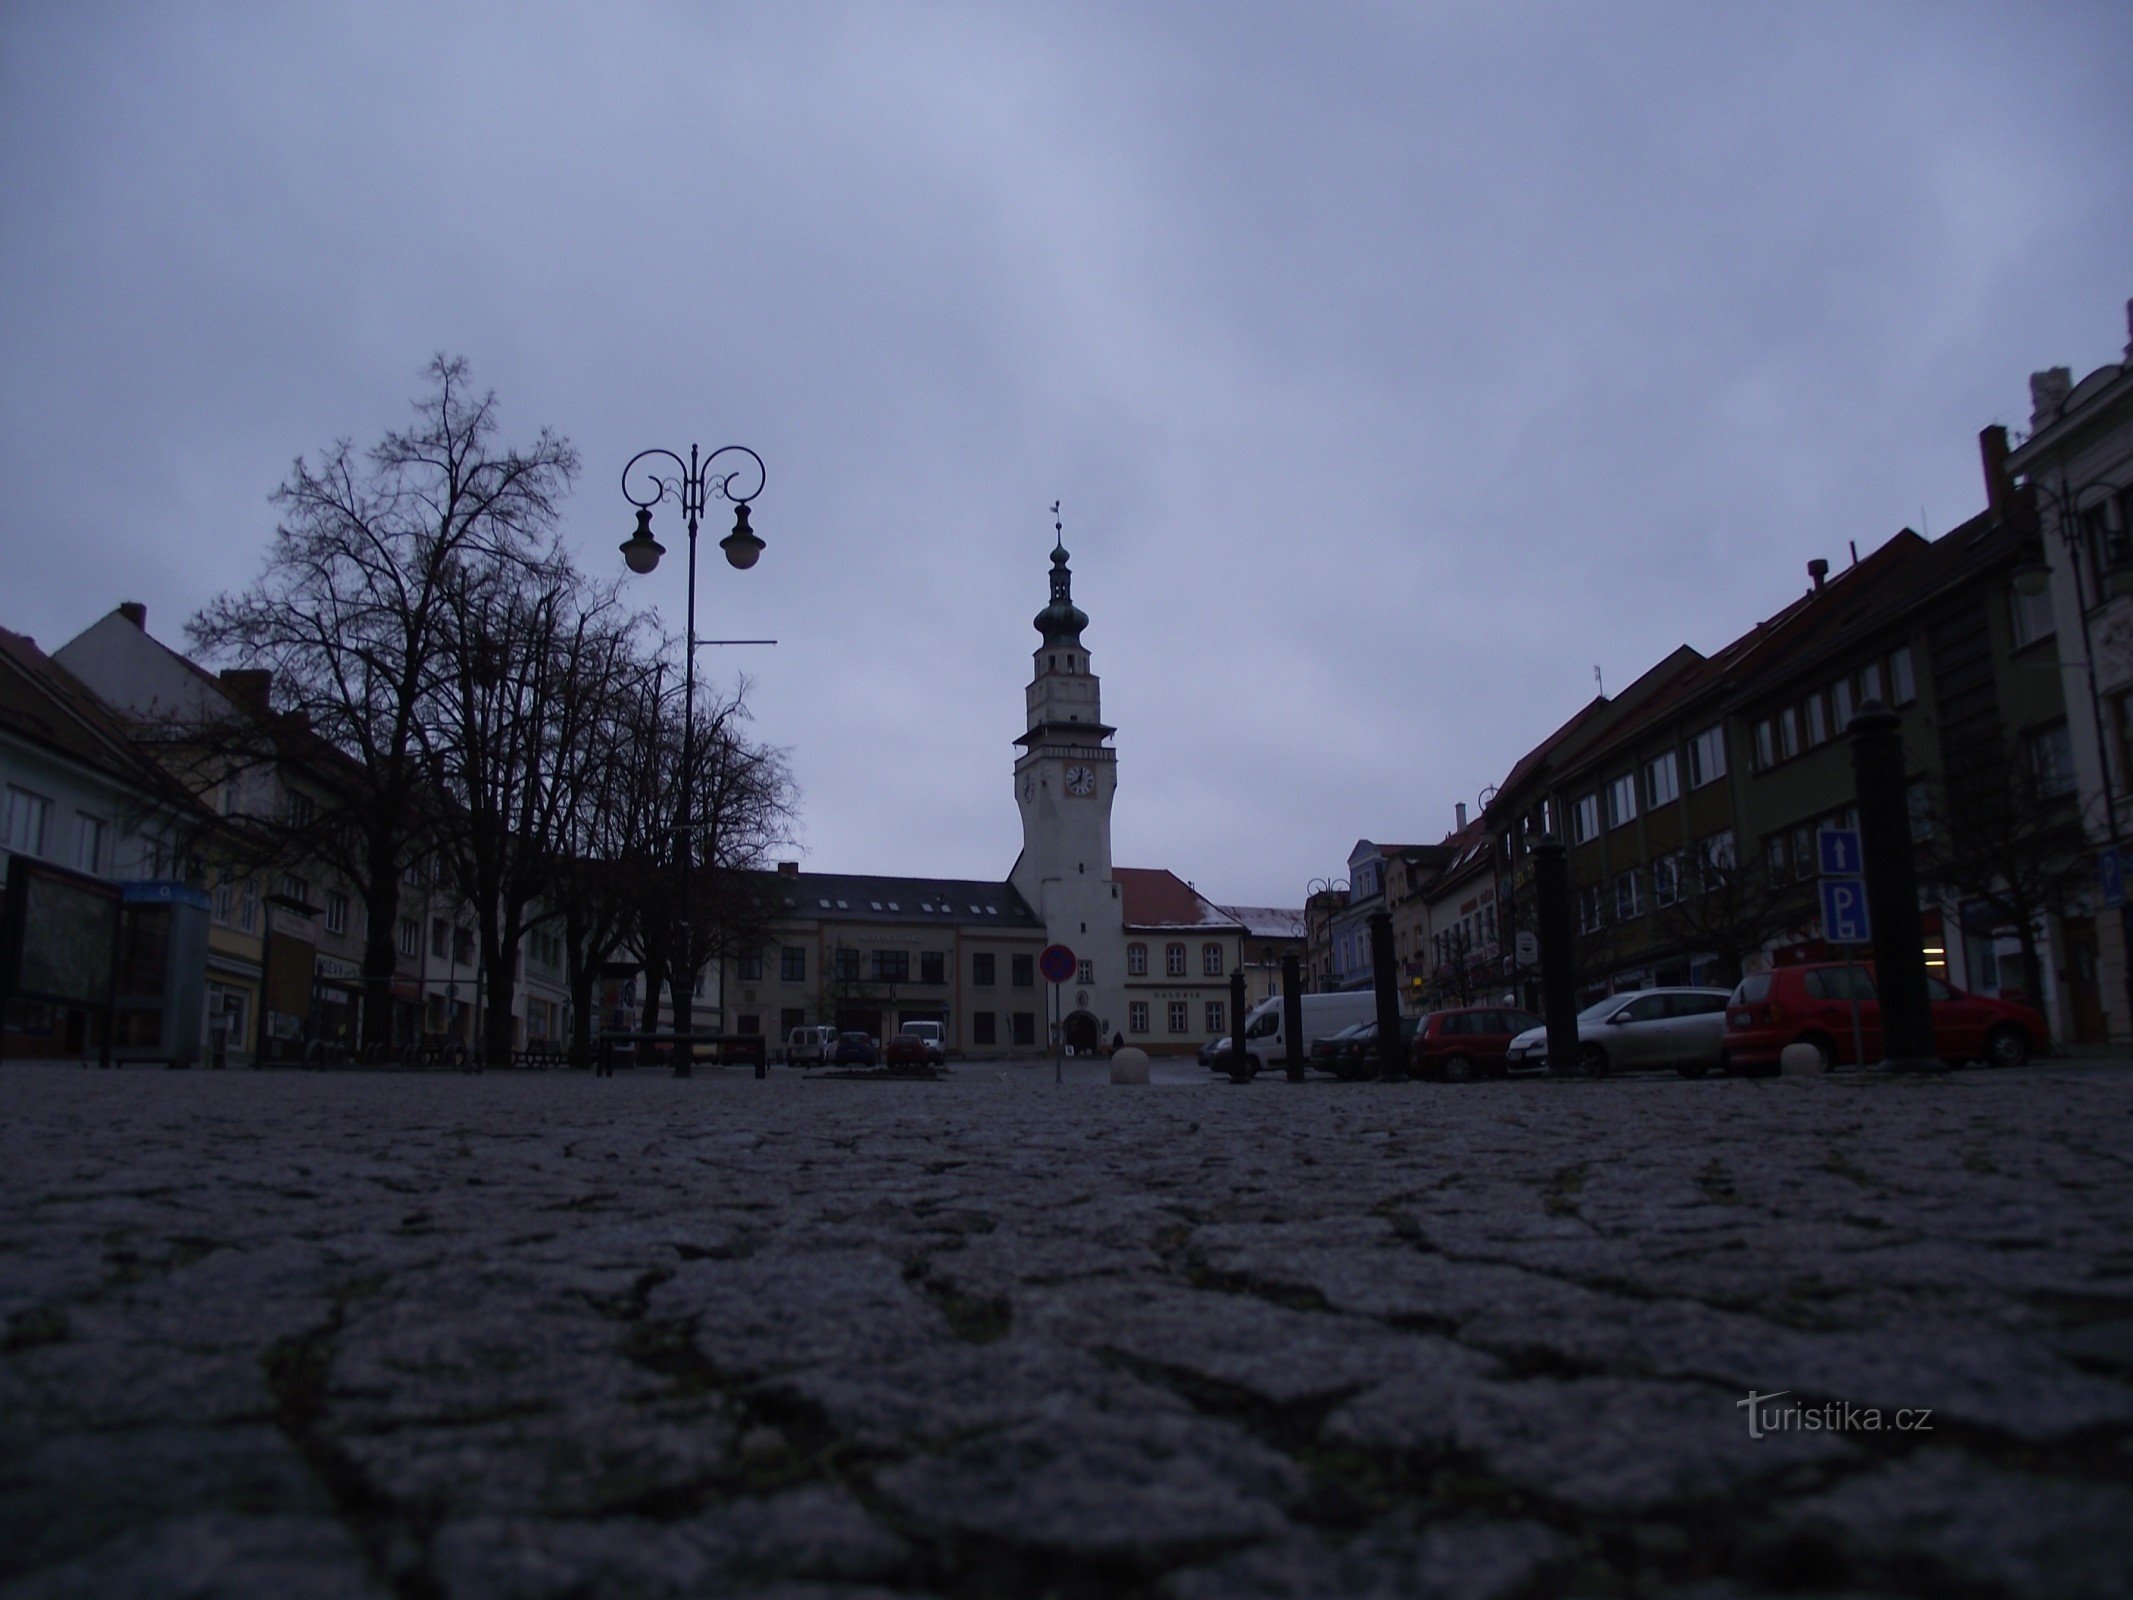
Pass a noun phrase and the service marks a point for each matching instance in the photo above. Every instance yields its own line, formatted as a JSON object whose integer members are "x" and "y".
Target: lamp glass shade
{"x": 2032, "y": 578}
{"x": 640, "y": 549}
{"x": 741, "y": 545}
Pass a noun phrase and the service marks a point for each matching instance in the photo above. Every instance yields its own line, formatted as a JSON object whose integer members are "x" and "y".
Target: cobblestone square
{"x": 539, "y": 1334}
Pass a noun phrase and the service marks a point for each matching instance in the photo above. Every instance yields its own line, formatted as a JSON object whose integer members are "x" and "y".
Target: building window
{"x": 1777, "y": 857}
{"x": 1803, "y": 851}
{"x": 1180, "y": 1016}
{"x": 1662, "y": 780}
{"x": 984, "y": 1028}
{"x": 440, "y": 938}
{"x": 2051, "y": 762}
{"x": 984, "y": 969}
{"x": 1025, "y": 1027}
{"x": 1174, "y": 960}
{"x": 792, "y": 966}
{"x": 1870, "y": 682}
{"x": 89, "y": 842}
{"x": 749, "y": 968}
{"x": 1714, "y": 859}
{"x": 1136, "y": 960}
{"x": 789, "y": 1018}
{"x": 1592, "y": 912}
{"x": 1817, "y": 726}
{"x": 1622, "y": 800}
{"x": 1666, "y": 879}
{"x": 463, "y": 947}
{"x": 1215, "y": 1014}
{"x": 890, "y": 966}
{"x": 1765, "y": 744}
{"x": 1840, "y": 702}
{"x": 1088, "y": 973}
{"x": 1137, "y": 1016}
{"x": 248, "y": 906}
{"x": 747, "y": 1022}
{"x": 1903, "y": 685}
{"x": 2029, "y": 617}
{"x": 932, "y": 967}
{"x": 410, "y": 934}
{"x": 1788, "y": 733}
{"x": 1023, "y": 972}
{"x": 1629, "y": 896}
{"x": 29, "y": 815}
{"x": 1211, "y": 960}
{"x": 846, "y": 965}
{"x": 1585, "y": 819}
{"x": 1707, "y": 755}
{"x": 336, "y": 911}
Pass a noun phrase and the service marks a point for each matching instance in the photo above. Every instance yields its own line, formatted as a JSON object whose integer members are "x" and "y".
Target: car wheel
{"x": 1458, "y": 1069}
{"x": 1593, "y": 1060}
{"x": 2006, "y": 1046}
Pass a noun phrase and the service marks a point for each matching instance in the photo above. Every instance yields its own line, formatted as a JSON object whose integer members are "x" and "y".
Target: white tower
{"x": 1064, "y": 780}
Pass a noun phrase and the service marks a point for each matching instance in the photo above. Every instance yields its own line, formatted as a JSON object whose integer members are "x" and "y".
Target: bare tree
{"x": 2005, "y": 834}
{"x": 351, "y": 612}
{"x": 1729, "y": 908}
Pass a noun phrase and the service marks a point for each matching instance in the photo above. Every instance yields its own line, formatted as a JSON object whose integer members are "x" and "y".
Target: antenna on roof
{"x": 1597, "y": 679}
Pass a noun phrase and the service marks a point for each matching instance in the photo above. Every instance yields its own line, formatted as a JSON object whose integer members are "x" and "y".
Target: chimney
{"x": 1459, "y": 811}
{"x": 134, "y": 612}
{"x": 1992, "y": 449}
{"x": 248, "y": 686}
{"x": 788, "y": 869}
{"x": 1818, "y": 570}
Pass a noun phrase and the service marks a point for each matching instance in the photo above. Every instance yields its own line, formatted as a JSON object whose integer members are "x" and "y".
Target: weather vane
{"x": 1058, "y": 527}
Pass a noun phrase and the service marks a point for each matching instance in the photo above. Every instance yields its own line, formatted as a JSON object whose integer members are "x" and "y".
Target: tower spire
{"x": 1060, "y": 622}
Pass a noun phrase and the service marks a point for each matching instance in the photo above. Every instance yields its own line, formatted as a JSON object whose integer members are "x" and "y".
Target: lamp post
{"x": 1319, "y": 891}
{"x": 2033, "y": 577}
{"x": 691, "y": 483}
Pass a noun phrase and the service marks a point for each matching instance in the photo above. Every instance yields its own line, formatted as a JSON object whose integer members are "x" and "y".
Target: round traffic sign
{"x": 1057, "y": 963}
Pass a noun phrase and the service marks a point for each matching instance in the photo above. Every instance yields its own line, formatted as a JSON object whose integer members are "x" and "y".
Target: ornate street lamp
{"x": 692, "y": 483}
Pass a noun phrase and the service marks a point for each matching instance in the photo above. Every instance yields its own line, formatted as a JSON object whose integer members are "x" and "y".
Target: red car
{"x": 1468, "y": 1042}
{"x": 1811, "y": 1005}
{"x": 906, "y": 1052}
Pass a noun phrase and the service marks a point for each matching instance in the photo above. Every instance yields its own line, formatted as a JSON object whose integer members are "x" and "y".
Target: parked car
{"x": 1468, "y": 1042}
{"x": 1220, "y": 1042}
{"x": 907, "y": 1050}
{"x": 1812, "y": 1005}
{"x": 855, "y": 1049}
{"x": 1358, "y": 1057}
{"x": 1325, "y": 1053}
{"x": 933, "y": 1036}
{"x": 810, "y": 1047}
{"x": 1639, "y": 1030}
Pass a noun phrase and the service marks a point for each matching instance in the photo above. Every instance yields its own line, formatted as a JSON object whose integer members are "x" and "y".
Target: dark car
{"x": 855, "y": 1049}
{"x": 1358, "y": 1056}
{"x": 1468, "y": 1042}
{"x": 1812, "y": 1005}
{"x": 1209, "y": 1050}
{"x": 1326, "y": 1052}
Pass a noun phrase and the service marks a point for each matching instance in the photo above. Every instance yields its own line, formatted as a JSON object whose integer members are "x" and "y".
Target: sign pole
{"x": 1057, "y": 965}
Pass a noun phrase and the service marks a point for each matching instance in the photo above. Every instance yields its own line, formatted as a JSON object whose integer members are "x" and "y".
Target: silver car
{"x": 1639, "y": 1029}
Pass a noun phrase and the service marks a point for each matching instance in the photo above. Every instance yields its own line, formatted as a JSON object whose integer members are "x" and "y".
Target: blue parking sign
{"x": 1844, "y": 917}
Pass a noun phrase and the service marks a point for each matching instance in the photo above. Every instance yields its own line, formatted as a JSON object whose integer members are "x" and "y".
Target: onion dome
{"x": 1061, "y": 622}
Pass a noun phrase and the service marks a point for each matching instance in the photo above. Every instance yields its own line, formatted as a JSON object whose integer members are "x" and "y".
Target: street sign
{"x": 1528, "y": 946}
{"x": 2111, "y": 875}
{"x": 1844, "y": 917}
{"x": 1057, "y": 964}
{"x": 1837, "y": 850}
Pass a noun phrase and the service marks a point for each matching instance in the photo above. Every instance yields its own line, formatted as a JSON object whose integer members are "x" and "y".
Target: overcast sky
{"x": 1397, "y": 364}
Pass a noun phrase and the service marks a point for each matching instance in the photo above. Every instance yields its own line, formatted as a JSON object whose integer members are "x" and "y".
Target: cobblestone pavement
{"x": 542, "y": 1335}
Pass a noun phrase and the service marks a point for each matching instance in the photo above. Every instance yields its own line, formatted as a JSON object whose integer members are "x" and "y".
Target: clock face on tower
{"x": 1081, "y": 780}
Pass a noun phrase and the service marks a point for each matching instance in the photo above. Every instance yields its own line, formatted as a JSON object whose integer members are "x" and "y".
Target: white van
{"x": 810, "y": 1047}
{"x": 1266, "y": 1038}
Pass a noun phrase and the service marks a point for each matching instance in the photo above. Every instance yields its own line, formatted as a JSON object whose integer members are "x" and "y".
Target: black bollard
{"x": 1292, "y": 1015}
{"x": 1240, "y": 1064}
{"x": 1558, "y": 954}
{"x": 1892, "y": 891}
{"x": 1392, "y": 1062}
